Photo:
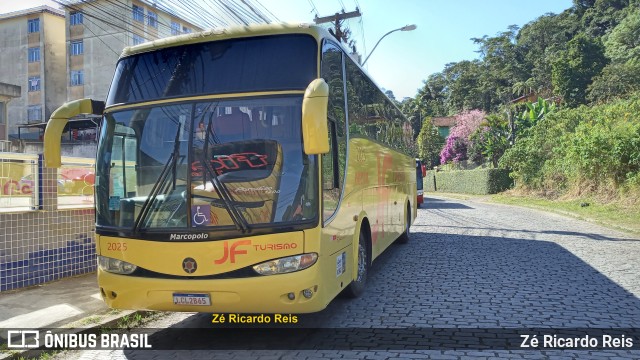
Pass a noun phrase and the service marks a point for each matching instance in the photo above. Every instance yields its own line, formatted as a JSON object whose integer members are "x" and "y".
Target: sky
{"x": 403, "y": 60}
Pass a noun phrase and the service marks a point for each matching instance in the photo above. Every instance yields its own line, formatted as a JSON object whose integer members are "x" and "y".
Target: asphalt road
{"x": 468, "y": 264}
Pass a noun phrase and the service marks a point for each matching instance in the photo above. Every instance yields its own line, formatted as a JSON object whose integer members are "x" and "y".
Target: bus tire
{"x": 404, "y": 238}
{"x": 357, "y": 286}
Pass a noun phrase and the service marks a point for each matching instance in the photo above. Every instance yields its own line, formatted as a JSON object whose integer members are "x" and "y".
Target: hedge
{"x": 479, "y": 181}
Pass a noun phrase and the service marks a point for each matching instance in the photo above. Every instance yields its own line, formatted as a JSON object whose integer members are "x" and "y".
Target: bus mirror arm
{"x": 57, "y": 123}
{"x": 315, "y": 133}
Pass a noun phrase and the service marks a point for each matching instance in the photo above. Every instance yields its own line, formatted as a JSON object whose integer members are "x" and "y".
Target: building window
{"x": 77, "y": 77}
{"x": 175, "y": 28}
{"x": 34, "y": 25}
{"x": 185, "y": 30}
{"x": 138, "y": 13}
{"x": 77, "y": 47}
{"x": 34, "y": 113}
{"x": 34, "y": 54}
{"x": 34, "y": 83}
{"x": 75, "y": 18}
{"x": 137, "y": 39}
{"x": 152, "y": 19}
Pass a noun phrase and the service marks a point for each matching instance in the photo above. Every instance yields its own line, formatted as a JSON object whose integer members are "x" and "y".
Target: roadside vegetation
{"x": 556, "y": 103}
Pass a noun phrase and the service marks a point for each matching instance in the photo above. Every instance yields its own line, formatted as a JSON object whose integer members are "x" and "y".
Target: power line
{"x": 89, "y": 16}
{"x": 239, "y": 12}
{"x": 361, "y": 22}
{"x": 250, "y": 11}
{"x": 223, "y": 12}
{"x": 262, "y": 13}
{"x": 197, "y": 12}
{"x": 233, "y": 13}
{"x": 364, "y": 43}
{"x": 313, "y": 7}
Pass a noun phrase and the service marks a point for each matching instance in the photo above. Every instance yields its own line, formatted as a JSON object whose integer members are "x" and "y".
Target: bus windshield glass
{"x": 267, "y": 63}
{"x": 230, "y": 163}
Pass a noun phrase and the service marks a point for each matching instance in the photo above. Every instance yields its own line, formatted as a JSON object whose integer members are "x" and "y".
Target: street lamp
{"x": 404, "y": 28}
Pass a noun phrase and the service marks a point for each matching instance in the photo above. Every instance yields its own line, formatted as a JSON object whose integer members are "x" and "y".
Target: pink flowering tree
{"x": 458, "y": 140}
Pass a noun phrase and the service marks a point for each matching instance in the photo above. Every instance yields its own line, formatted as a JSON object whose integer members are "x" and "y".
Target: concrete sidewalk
{"x": 53, "y": 304}
{"x": 68, "y": 303}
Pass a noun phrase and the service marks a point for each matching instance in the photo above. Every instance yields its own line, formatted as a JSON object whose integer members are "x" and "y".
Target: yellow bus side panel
{"x": 378, "y": 186}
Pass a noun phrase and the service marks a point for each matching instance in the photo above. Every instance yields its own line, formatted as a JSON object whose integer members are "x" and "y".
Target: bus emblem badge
{"x": 189, "y": 265}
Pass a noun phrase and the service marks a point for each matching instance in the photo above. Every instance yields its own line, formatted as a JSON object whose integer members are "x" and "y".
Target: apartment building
{"x": 98, "y": 30}
{"x": 33, "y": 57}
{"x": 56, "y": 55}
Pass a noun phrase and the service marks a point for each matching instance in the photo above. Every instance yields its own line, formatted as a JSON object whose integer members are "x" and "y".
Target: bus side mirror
{"x": 59, "y": 119}
{"x": 315, "y": 133}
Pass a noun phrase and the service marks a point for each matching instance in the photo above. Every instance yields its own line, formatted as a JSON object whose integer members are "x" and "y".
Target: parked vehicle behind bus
{"x": 421, "y": 172}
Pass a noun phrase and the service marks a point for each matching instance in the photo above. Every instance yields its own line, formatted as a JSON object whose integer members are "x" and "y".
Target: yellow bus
{"x": 251, "y": 170}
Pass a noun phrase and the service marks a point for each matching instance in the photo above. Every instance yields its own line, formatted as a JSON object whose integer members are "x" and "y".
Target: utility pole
{"x": 337, "y": 19}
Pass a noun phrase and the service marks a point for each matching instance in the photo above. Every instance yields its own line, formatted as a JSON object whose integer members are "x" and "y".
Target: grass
{"x": 611, "y": 214}
{"x": 48, "y": 355}
{"x": 90, "y": 320}
{"x": 139, "y": 318}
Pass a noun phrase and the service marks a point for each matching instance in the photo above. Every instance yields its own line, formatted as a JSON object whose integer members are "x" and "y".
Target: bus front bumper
{"x": 261, "y": 294}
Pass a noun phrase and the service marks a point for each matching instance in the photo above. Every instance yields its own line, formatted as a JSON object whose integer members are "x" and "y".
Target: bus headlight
{"x": 115, "y": 266}
{"x": 286, "y": 264}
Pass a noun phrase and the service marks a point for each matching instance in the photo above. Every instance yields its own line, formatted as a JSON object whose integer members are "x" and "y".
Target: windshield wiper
{"x": 169, "y": 167}
{"x": 223, "y": 192}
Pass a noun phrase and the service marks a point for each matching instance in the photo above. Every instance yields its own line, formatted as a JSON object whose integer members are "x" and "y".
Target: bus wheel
{"x": 404, "y": 238}
{"x": 356, "y": 288}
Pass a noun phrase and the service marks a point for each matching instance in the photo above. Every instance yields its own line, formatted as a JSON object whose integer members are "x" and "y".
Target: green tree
{"x": 490, "y": 141}
{"x": 463, "y": 86}
{"x": 429, "y": 143}
{"x": 575, "y": 68}
{"x": 541, "y": 41}
{"x": 502, "y": 67}
{"x": 615, "y": 81}
{"x": 602, "y": 16}
{"x": 623, "y": 43}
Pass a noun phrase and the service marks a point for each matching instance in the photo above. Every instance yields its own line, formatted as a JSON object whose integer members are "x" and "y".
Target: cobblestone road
{"x": 479, "y": 265}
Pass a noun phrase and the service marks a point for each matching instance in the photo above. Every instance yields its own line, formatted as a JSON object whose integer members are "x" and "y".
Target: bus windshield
{"x": 230, "y": 163}
{"x": 266, "y": 63}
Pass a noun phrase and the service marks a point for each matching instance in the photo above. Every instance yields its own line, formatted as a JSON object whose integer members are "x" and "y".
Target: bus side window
{"x": 330, "y": 175}
{"x": 334, "y": 162}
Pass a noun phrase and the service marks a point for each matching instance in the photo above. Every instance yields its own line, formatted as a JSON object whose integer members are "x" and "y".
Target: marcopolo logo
{"x": 200, "y": 236}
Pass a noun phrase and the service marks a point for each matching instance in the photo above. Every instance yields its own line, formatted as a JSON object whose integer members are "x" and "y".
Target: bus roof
{"x": 227, "y": 33}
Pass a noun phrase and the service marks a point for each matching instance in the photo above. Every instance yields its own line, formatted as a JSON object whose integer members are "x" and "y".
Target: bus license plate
{"x": 191, "y": 299}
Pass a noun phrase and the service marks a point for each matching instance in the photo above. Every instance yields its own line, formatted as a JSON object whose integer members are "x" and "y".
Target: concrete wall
{"x": 13, "y": 57}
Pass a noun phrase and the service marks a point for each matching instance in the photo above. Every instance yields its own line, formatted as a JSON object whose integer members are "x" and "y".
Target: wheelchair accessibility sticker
{"x": 201, "y": 215}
